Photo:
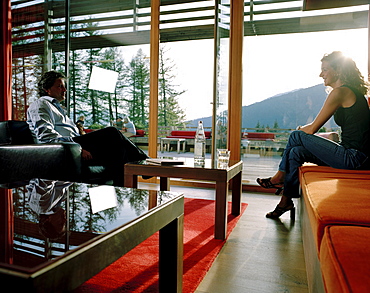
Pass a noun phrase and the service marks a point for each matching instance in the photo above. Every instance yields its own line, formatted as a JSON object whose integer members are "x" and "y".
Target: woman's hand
{"x": 86, "y": 156}
{"x": 308, "y": 128}
{"x": 335, "y": 99}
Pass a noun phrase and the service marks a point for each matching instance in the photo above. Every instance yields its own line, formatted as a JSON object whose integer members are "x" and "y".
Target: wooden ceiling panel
{"x": 326, "y": 4}
{"x": 187, "y": 27}
{"x": 342, "y": 21}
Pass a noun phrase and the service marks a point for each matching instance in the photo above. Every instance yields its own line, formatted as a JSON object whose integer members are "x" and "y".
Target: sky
{"x": 272, "y": 65}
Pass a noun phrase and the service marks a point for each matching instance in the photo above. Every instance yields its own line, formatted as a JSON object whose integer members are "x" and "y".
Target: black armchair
{"x": 22, "y": 159}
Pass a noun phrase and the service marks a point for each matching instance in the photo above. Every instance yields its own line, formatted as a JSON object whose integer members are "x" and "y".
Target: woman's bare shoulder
{"x": 344, "y": 95}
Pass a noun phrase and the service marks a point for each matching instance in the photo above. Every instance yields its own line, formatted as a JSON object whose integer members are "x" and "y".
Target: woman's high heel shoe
{"x": 278, "y": 211}
{"x": 266, "y": 183}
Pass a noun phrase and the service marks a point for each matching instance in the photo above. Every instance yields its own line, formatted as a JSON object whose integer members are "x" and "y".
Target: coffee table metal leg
{"x": 171, "y": 256}
{"x": 164, "y": 184}
{"x": 236, "y": 185}
{"x": 221, "y": 210}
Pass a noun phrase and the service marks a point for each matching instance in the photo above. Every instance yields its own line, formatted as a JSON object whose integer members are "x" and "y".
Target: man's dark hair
{"x": 47, "y": 81}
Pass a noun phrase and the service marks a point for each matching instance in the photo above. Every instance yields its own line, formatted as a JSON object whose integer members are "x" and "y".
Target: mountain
{"x": 289, "y": 110}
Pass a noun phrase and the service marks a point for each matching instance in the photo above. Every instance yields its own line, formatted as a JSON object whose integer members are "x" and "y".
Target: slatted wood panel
{"x": 119, "y": 23}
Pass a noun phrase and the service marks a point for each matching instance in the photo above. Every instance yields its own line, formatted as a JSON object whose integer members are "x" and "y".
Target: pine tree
{"x": 169, "y": 111}
{"x": 258, "y": 126}
{"x": 113, "y": 60}
{"x": 276, "y": 126}
{"x": 26, "y": 72}
{"x": 137, "y": 90}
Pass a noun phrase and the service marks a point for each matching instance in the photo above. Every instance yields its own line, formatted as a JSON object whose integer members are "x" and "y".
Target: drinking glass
{"x": 223, "y": 156}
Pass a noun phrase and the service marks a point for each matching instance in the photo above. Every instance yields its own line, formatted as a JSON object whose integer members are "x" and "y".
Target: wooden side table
{"x": 188, "y": 171}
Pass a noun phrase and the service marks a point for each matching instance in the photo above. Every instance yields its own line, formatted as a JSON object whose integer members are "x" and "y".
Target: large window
{"x": 283, "y": 46}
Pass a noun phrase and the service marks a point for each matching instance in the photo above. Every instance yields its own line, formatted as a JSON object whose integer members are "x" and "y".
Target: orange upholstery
{"x": 344, "y": 257}
{"x": 335, "y": 197}
{"x": 324, "y": 169}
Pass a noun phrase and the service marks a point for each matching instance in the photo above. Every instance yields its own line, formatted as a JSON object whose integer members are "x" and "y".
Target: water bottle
{"x": 199, "y": 146}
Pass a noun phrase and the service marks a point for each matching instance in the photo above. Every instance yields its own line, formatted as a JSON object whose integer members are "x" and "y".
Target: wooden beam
{"x": 154, "y": 68}
{"x": 6, "y": 61}
{"x": 368, "y": 54}
{"x": 235, "y": 79}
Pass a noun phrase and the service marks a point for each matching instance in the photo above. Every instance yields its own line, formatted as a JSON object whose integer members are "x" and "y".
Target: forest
{"x": 131, "y": 95}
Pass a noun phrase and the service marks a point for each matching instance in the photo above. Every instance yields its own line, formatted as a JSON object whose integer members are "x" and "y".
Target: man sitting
{"x": 49, "y": 124}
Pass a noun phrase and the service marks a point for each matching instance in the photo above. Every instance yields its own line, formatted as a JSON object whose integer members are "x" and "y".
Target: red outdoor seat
{"x": 186, "y": 134}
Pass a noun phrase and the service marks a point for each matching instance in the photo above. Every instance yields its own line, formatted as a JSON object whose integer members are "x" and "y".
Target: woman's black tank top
{"x": 355, "y": 124}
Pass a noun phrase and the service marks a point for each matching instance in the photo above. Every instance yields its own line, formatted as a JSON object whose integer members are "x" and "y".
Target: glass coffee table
{"x": 56, "y": 235}
{"x": 186, "y": 170}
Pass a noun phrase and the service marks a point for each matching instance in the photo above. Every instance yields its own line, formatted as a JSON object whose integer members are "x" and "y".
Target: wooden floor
{"x": 261, "y": 255}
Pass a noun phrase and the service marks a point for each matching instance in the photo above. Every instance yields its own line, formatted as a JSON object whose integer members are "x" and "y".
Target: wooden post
{"x": 6, "y": 62}
{"x": 235, "y": 79}
{"x": 154, "y": 67}
{"x": 7, "y": 226}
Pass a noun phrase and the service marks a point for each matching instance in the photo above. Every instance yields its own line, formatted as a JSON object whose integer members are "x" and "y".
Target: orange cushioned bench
{"x": 335, "y": 197}
{"x": 345, "y": 256}
{"x": 330, "y": 197}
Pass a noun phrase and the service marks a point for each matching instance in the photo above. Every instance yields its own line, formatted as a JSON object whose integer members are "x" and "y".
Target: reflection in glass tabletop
{"x": 53, "y": 217}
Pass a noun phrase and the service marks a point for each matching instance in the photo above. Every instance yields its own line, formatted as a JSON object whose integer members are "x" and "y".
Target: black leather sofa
{"x": 21, "y": 159}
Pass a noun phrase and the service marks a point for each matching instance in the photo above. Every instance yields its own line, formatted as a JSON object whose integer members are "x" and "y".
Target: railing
{"x": 281, "y": 134}
{"x": 258, "y": 147}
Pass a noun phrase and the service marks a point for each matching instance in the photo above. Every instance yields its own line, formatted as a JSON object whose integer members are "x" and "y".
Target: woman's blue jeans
{"x": 303, "y": 147}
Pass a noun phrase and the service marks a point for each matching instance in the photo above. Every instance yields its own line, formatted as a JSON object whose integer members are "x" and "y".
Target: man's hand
{"x": 86, "y": 156}
{"x": 81, "y": 130}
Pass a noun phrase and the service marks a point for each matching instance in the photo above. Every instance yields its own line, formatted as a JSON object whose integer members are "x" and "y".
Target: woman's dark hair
{"x": 347, "y": 71}
{"x": 47, "y": 81}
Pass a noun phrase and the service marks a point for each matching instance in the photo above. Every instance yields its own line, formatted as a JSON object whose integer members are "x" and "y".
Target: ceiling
{"x": 98, "y": 24}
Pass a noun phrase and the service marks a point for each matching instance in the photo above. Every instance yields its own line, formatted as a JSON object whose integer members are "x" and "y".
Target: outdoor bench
{"x": 139, "y": 133}
{"x": 178, "y": 136}
{"x": 335, "y": 219}
{"x": 258, "y": 136}
{"x": 262, "y": 141}
{"x": 188, "y": 134}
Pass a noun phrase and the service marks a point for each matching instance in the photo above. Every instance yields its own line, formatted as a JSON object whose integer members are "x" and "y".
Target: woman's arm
{"x": 335, "y": 99}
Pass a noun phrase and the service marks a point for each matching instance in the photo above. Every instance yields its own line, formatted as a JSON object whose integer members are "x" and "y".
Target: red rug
{"x": 137, "y": 271}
